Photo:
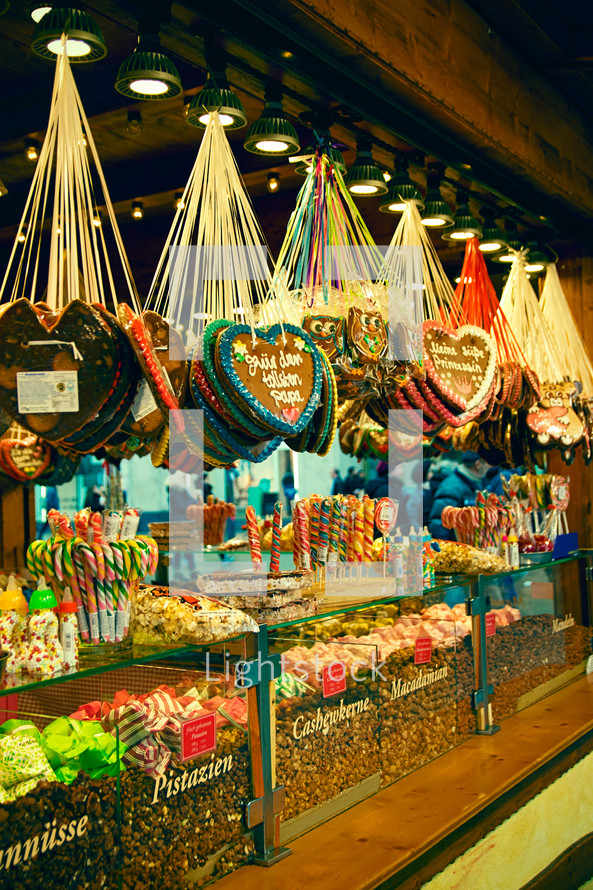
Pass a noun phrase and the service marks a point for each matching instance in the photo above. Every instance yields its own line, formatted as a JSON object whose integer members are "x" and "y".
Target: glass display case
{"x": 163, "y": 770}
{"x": 327, "y": 729}
{"x": 539, "y": 637}
{"x": 146, "y": 774}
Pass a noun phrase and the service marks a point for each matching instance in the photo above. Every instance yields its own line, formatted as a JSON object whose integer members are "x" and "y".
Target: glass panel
{"x": 59, "y": 820}
{"x": 425, "y": 687}
{"x": 542, "y": 637}
{"x": 188, "y": 775}
{"x": 327, "y": 742}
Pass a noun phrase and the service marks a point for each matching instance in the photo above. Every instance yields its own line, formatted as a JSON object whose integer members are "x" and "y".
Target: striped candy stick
{"x": 72, "y": 579}
{"x": 343, "y": 534}
{"x": 89, "y": 564}
{"x": 296, "y": 547}
{"x": 97, "y": 550}
{"x": 369, "y": 527}
{"x": 110, "y": 589}
{"x": 253, "y": 536}
{"x": 324, "y": 517}
{"x": 276, "y": 533}
{"x": 304, "y": 541}
{"x": 78, "y": 563}
{"x": 359, "y": 533}
{"x": 30, "y": 559}
{"x": 122, "y": 568}
{"x": 314, "y": 515}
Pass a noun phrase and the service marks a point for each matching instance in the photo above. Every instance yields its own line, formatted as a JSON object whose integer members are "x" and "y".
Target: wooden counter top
{"x": 408, "y": 832}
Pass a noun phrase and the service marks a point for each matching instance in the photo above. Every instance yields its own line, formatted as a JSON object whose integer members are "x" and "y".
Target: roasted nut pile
{"x": 171, "y": 825}
{"x": 60, "y": 836}
{"x": 420, "y": 715}
{"x": 324, "y": 746}
{"x": 528, "y": 653}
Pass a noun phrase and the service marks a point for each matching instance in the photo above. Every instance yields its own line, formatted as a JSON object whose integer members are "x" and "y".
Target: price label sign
{"x": 334, "y": 679}
{"x": 490, "y": 624}
{"x": 422, "y": 650}
{"x": 386, "y": 515}
{"x": 198, "y": 736}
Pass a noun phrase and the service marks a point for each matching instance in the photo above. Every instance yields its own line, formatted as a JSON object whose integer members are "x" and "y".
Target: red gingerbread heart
{"x": 460, "y": 365}
{"x": 291, "y": 414}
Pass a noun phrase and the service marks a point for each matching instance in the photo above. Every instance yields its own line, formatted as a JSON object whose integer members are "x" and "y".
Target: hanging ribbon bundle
{"x": 327, "y": 278}
{"x": 518, "y": 386}
{"x": 68, "y": 367}
{"x": 552, "y": 421}
{"x": 459, "y": 381}
{"x": 254, "y": 385}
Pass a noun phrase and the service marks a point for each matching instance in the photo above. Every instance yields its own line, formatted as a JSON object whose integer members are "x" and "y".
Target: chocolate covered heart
{"x": 35, "y": 339}
{"x": 460, "y": 365}
{"x": 269, "y": 371}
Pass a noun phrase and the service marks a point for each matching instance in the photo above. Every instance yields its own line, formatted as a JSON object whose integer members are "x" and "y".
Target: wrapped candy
{"x": 45, "y": 655}
{"x": 13, "y": 626}
{"x": 22, "y": 765}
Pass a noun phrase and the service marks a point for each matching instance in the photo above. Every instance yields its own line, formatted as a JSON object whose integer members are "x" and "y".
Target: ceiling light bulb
{"x": 178, "y": 202}
{"x": 273, "y": 146}
{"x": 149, "y": 87}
{"x": 534, "y": 267}
{"x": 137, "y": 210}
{"x": 273, "y": 183}
{"x": 97, "y": 219}
{"x": 22, "y": 234}
{"x": 225, "y": 119}
{"x": 434, "y": 222}
{"x": 74, "y": 47}
{"x": 31, "y": 149}
{"x": 490, "y": 246}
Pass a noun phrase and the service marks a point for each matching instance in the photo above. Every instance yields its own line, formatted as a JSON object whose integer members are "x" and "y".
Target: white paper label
{"x": 589, "y": 669}
{"x": 144, "y": 403}
{"x": 47, "y": 392}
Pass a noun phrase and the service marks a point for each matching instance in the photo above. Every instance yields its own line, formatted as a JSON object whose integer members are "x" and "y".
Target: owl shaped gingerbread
{"x": 327, "y": 332}
{"x": 367, "y": 336}
{"x": 553, "y": 419}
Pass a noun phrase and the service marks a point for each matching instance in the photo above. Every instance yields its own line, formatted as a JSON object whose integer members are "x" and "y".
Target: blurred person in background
{"x": 458, "y": 489}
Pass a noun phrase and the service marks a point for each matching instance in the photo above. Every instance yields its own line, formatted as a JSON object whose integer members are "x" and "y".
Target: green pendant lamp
{"x": 148, "y": 74}
{"x": 272, "y": 133}
{"x": 437, "y": 213}
{"x": 84, "y": 41}
{"x": 216, "y": 95}
{"x": 513, "y": 241}
{"x": 365, "y": 178}
{"x": 539, "y": 257}
{"x": 493, "y": 238}
{"x": 401, "y": 190}
{"x": 465, "y": 224}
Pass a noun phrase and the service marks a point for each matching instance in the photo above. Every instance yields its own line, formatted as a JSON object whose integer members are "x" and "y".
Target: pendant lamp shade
{"x": 148, "y": 73}
{"x": 365, "y": 178}
{"x": 84, "y": 41}
{"x": 272, "y": 133}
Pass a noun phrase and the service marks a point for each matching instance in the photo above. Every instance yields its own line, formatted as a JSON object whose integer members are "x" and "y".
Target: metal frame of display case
{"x": 260, "y": 668}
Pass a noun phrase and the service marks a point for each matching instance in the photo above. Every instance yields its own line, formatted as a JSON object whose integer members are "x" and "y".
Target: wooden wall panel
{"x": 440, "y": 59}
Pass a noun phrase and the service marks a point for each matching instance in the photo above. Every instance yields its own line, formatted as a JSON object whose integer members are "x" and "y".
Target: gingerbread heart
{"x": 34, "y": 339}
{"x": 460, "y": 365}
{"x": 270, "y": 370}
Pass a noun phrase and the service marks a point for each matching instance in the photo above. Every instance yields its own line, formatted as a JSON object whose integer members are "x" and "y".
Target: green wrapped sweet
{"x": 22, "y": 759}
